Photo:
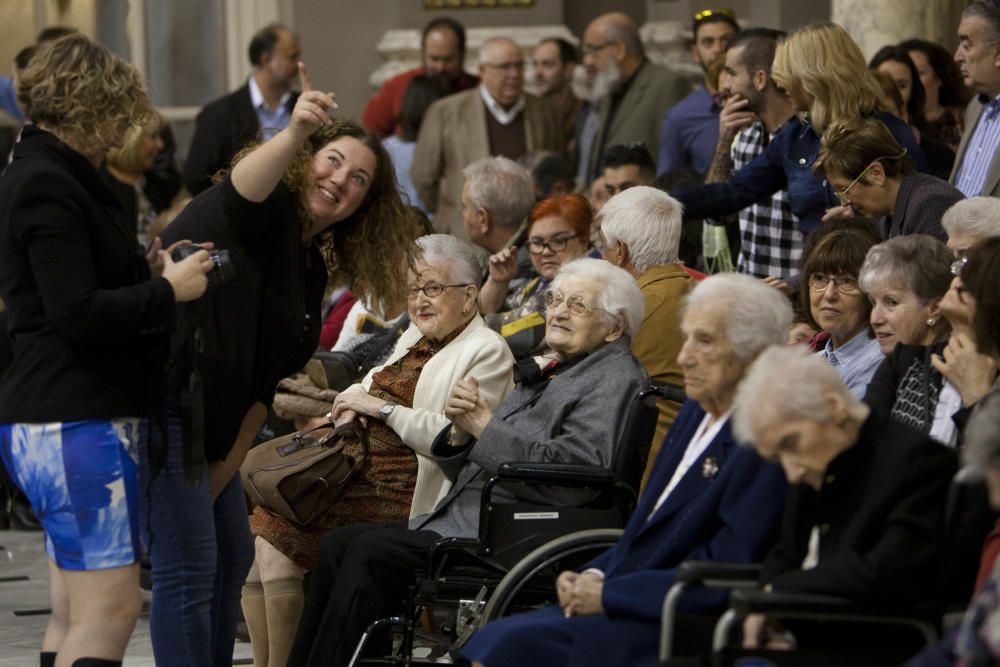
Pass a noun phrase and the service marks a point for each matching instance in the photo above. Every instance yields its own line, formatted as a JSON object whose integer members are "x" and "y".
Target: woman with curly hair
{"x": 89, "y": 319}
{"x": 316, "y": 203}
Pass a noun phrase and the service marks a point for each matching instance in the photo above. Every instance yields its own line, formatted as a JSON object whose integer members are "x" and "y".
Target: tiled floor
{"x": 23, "y": 554}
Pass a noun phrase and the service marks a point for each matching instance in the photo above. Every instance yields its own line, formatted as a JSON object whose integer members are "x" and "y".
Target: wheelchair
{"x": 511, "y": 566}
{"x": 896, "y": 634}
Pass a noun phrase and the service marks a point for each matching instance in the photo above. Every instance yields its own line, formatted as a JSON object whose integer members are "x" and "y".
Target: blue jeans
{"x": 201, "y": 553}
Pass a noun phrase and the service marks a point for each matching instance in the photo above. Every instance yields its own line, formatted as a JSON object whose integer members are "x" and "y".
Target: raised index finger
{"x": 304, "y": 77}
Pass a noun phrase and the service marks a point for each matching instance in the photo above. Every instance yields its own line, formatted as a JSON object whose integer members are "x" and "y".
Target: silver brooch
{"x": 709, "y": 468}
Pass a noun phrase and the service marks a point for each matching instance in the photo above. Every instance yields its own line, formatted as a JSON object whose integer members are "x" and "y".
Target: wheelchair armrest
{"x": 781, "y": 604}
{"x": 567, "y": 474}
{"x": 665, "y": 390}
{"x": 717, "y": 575}
{"x": 445, "y": 546}
{"x": 759, "y": 601}
{"x": 693, "y": 574}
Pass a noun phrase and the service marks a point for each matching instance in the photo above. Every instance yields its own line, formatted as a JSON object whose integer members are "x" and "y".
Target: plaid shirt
{"x": 771, "y": 243}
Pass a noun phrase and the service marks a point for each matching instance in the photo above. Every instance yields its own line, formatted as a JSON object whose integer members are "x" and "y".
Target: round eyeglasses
{"x": 430, "y": 290}
{"x": 574, "y": 304}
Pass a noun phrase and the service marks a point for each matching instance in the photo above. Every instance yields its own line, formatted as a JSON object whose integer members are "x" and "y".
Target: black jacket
{"x": 880, "y": 514}
{"x": 258, "y": 327}
{"x": 222, "y": 128}
{"x": 86, "y": 322}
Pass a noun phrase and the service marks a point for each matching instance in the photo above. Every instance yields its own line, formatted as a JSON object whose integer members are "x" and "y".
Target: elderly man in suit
{"x": 497, "y": 118}
{"x": 258, "y": 110}
{"x": 707, "y": 499}
{"x": 629, "y": 94}
{"x": 565, "y": 409}
{"x": 977, "y": 166}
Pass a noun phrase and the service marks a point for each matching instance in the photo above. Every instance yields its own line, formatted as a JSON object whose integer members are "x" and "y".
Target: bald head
{"x": 618, "y": 27}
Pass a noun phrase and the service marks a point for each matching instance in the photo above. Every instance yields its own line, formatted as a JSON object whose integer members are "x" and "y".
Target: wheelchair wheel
{"x": 550, "y": 553}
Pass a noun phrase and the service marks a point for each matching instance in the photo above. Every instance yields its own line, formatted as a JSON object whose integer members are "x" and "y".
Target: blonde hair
{"x": 832, "y": 70}
{"x": 84, "y": 92}
{"x": 127, "y": 158}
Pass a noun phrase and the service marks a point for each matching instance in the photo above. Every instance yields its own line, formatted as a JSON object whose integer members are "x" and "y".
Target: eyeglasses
{"x": 430, "y": 290}
{"x": 574, "y": 304}
{"x": 844, "y": 284}
{"x": 537, "y": 246}
{"x": 517, "y": 65}
{"x": 708, "y": 13}
{"x": 843, "y": 196}
{"x": 592, "y": 49}
{"x": 958, "y": 265}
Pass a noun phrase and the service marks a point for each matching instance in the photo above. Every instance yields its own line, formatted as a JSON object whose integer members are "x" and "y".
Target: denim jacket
{"x": 786, "y": 164}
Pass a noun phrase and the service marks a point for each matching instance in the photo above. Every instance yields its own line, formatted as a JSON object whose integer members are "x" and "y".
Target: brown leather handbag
{"x": 301, "y": 475}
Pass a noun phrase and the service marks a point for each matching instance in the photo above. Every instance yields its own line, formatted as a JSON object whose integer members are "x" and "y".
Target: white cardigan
{"x": 477, "y": 351}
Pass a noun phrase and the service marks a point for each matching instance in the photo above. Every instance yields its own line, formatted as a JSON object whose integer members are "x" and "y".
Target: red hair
{"x": 573, "y": 208}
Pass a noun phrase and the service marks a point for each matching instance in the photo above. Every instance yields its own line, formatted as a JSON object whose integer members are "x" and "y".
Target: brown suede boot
{"x": 283, "y": 599}
{"x": 255, "y": 613}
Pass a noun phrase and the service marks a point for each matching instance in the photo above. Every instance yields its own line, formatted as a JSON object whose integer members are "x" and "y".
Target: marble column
{"x": 876, "y": 23}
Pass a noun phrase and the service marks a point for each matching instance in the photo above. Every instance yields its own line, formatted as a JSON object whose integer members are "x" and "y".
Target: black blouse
{"x": 258, "y": 327}
{"x": 86, "y": 322}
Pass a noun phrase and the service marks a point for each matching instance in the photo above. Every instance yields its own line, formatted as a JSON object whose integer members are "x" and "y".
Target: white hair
{"x": 502, "y": 187}
{"x": 646, "y": 220}
{"x": 757, "y": 316}
{"x": 461, "y": 256}
{"x": 978, "y": 217}
{"x": 494, "y": 41}
{"x": 620, "y": 296}
{"x": 785, "y": 382}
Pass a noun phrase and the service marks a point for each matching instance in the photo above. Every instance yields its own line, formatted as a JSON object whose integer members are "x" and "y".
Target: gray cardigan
{"x": 576, "y": 417}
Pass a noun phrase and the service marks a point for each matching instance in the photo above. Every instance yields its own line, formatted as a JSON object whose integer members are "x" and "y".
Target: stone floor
{"x": 22, "y": 554}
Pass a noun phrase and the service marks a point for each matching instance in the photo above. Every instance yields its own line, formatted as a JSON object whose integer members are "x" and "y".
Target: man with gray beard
{"x": 628, "y": 93}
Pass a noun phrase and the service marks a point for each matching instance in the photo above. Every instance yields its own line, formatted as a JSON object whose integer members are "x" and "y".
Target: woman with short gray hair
{"x": 906, "y": 279}
{"x": 969, "y": 221}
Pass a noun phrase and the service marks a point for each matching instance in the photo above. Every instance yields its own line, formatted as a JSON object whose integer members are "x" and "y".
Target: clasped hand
{"x": 580, "y": 593}
{"x": 355, "y": 406}
{"x": 466, "y": 408}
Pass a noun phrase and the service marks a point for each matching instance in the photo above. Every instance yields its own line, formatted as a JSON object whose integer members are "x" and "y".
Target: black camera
{"x": 223, "y": 269}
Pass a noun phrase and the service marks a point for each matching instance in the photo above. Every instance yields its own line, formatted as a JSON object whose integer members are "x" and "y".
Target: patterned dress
{"x": 384, "y": 489}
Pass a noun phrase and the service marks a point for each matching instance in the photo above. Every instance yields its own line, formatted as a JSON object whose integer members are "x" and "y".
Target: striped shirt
{"x": 981, "y": 149}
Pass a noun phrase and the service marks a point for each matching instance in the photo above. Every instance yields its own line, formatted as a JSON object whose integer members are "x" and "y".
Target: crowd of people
{"x": 803, "y": 243}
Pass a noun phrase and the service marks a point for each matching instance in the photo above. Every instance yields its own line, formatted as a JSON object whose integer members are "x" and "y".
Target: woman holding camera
{"x": 89, "y": 318}
{"x": 320, "y": 194}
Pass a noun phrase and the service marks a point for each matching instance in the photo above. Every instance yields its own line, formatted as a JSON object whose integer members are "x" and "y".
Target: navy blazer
{"x": 731, "y": 517}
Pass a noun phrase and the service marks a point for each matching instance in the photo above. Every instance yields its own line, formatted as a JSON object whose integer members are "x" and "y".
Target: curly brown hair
{"x": 379, "y": 234}
{"x": 84, "y": 92}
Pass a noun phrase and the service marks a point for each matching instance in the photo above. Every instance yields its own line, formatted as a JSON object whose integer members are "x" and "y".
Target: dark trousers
{"x": 362, "y": 574}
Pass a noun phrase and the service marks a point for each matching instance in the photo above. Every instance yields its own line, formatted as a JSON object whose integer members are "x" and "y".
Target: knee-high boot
{"x": 283, "y": 599}
{"x": 255, "y": 613}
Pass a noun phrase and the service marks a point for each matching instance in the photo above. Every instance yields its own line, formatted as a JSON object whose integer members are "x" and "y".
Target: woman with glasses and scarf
{"x": 558, "y": 232}
{"x": 874, "y": 177}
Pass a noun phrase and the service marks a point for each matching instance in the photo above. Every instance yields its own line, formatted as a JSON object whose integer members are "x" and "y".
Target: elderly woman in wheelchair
{"x": 706, "y": 499}
{"x": 864, "y": 516}
{"x": 403, "y": 404}
{"x": 566, "y": 408}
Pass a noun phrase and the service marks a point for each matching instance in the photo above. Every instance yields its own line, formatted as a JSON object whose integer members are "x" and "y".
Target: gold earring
{"x": 931, "y": 321}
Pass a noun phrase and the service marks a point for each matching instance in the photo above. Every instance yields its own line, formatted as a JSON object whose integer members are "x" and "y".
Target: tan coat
{"x": 658, "y": 341}
{"x": 453, "y": 135}
{"x": 991, "y": 186}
